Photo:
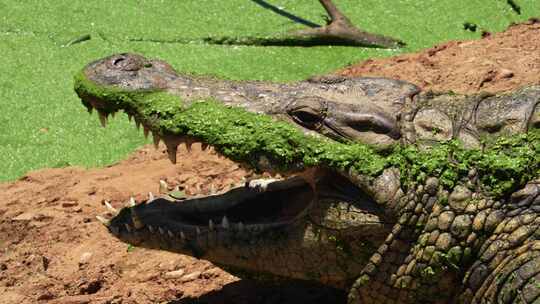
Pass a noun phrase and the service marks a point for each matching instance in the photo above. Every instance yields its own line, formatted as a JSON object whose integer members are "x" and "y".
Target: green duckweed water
{"x": 45, "y": 42}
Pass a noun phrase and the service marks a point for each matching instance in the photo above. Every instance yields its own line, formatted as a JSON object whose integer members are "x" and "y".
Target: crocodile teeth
{"x": 225, "y": 223}
{"x": 171, "y": 152}
{"x": 171, "y": 235}
{"x": 128, "y": 227}
{"x": 145, "y": 131}
{"x": 113, "y": 114}
{"x": 110, "y": 207}
{"x": 102, "y": 119}
{"x": 131, "y": 202}
{"x": 137, "y": 123}
{"x": 172, "y": 155}
{"x": 260, "y": 184}
{"x": 204, "y": 146}
{"x": 210, "y": 225}
{"x": 103, "y": 220}
{"x": 163, "y": 186}
{"x": 240, "y": 226}
{"x": 135, "y": 219}
{"x": 150, "y": 228}
{"x": 189, "y": 143}
{"x": 161, "y": 231}
{"x": 114, "y": 230}
{"x": 182, "y": 235}
{"x": 129, "y": 117}
{"x": 156, "y": 139}
{"x": 198, "y": 230}
{"x": 150, "y": 197}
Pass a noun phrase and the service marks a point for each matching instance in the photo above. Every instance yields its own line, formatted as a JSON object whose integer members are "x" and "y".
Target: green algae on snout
{"x": 503, "y": 166}
{"x": 243, "y": 135}
{"x": 144, "y": 103}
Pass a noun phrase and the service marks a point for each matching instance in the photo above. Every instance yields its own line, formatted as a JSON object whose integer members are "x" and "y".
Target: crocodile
{"x": 376, "y": 187}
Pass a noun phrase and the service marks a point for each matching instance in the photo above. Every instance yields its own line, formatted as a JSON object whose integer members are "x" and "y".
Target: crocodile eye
{"x": 307, "y": 117}
{"x": 308, "y": 111}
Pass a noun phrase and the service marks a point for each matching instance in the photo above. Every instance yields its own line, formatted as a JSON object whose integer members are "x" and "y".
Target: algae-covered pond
{"x": 44, "y": 43}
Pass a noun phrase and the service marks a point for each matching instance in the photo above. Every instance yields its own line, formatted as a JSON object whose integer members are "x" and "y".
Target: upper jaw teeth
{"x": 260, "y": 185}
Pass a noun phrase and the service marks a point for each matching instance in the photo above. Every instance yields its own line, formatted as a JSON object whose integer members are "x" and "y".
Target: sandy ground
{"x": 52, "y": 249}
{"x": 496, "y": 63}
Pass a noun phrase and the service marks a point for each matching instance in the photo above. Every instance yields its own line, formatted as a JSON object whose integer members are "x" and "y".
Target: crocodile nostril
{"x": 127, "y": 62}
{"x": 117, "y": 61}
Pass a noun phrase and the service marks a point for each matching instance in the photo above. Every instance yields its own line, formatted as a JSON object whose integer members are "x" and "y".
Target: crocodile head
{"x": 358, "y": 162}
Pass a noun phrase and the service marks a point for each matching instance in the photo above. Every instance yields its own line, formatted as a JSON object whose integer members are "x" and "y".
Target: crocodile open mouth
{"x": 259, "y": 205}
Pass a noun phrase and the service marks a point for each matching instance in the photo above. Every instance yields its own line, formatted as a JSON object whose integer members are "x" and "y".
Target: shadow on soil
{"x": 248, "y": 291}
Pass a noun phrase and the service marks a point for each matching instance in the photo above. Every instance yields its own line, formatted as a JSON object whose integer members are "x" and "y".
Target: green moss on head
{"x": 503, "y": 165}
{"x": 245, "y": 136}
{"x": 143, "y": 103}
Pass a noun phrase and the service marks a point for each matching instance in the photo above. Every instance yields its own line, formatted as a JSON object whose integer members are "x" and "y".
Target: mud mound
{"x": 496, "y": 63}
{"x": 52, "y": 249}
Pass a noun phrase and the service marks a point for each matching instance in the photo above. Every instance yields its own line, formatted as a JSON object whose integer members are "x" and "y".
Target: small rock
{"x": 147, "y": 277}
{"x": 28, "y": 216}
{"x": 37, "y": 262}
{"x": 190, "y": 277}
{"x": 91, "y": 287}
{"x": 45, "y": 296}
{"x": 69, "y": 204}
{"x": 505, "y": 73}
{"x": 10, "y": 297}
{"x": 174, "y": 274}
{"x": 45, "y": 262}
{"x": 211, "y": 273}
{"x": 85, "y": 258}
